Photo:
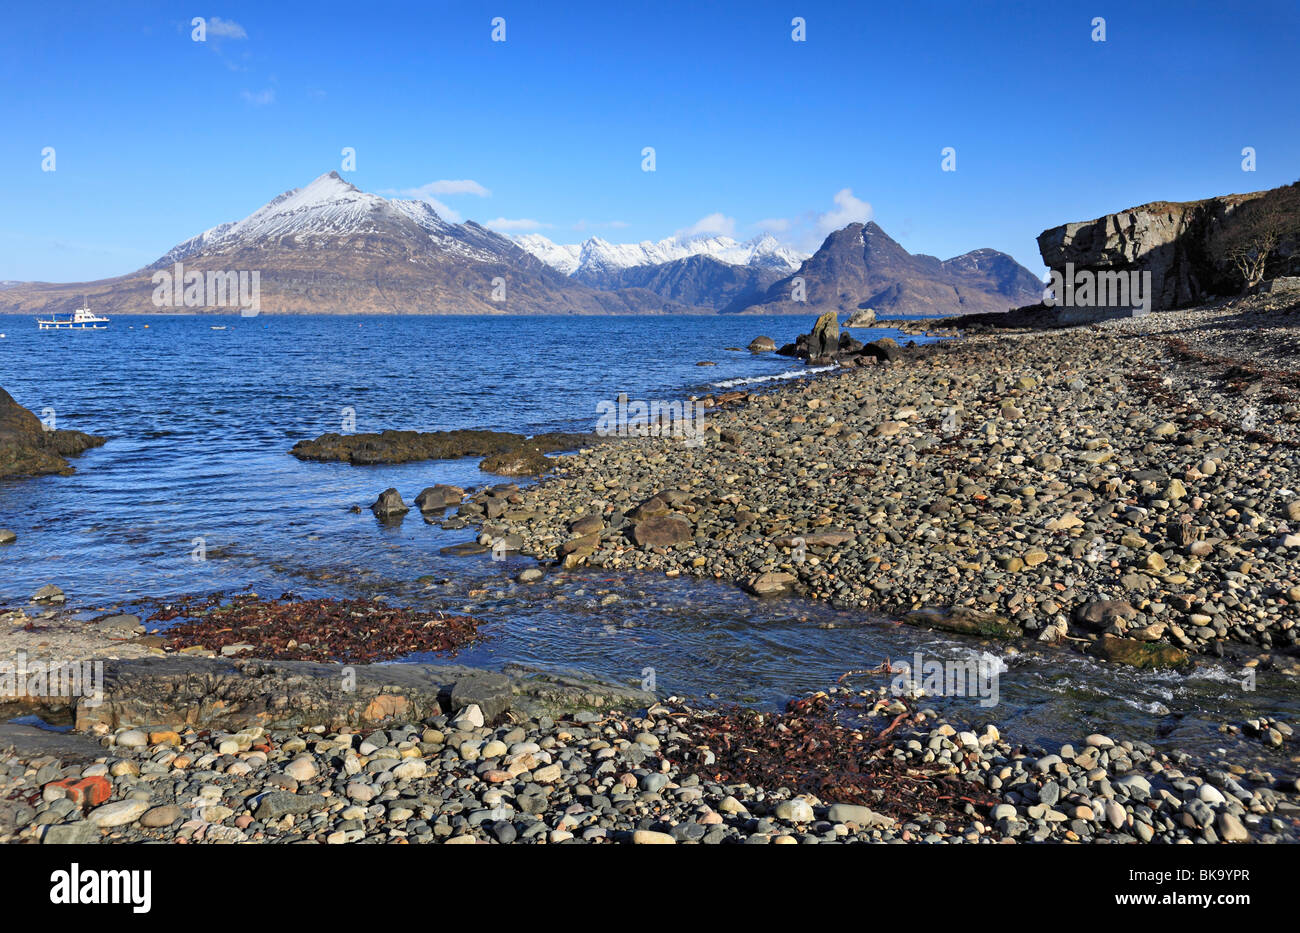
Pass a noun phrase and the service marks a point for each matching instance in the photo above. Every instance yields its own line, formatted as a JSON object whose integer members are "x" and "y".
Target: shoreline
{"x": 1133, "y": 794}
{"x": 1128, "y": 538}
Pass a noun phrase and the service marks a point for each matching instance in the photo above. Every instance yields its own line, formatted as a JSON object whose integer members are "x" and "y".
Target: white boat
{"x": 81, "y": 319}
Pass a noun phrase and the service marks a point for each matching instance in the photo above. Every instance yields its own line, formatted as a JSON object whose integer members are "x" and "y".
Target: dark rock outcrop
{"x": 408, "y": 446}
{"x": 1186, "y": 246}
{"x": 27, "y": 449}
{"x": 824, "y": 340}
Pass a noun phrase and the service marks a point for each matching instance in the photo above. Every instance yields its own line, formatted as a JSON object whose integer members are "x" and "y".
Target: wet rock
{"x": 771, "y": 584}
{"x": 389, "y": 504}
{"x": 965, "y": 621}
{"x": 406, "y": 446}
{"x": 439, "y": 496}
{"x": 1151, "y": 655}
{"x": 49, "y": 593}
{"x": 519, "y": 461}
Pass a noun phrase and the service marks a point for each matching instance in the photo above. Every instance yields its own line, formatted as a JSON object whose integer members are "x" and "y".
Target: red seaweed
{"x": 343, "y": 630}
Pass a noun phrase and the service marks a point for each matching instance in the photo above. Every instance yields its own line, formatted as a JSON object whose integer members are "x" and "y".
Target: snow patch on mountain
{"x": 596, "y": 256}
{"x": 563, "y": 258}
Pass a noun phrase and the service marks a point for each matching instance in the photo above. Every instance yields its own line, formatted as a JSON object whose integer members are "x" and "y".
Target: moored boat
{"x": 81, "y": 319}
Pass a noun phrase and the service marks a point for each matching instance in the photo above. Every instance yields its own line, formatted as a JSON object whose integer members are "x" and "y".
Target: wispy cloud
{"x": 259, "y": 98}
{"x": 443, "y": 187}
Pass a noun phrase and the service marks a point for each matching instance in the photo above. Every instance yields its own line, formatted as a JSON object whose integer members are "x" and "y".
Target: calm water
{"x": 200, "y": 422}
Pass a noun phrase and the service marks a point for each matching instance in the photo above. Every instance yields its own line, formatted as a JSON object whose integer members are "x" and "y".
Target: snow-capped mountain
{"x": 329, "y": 208}
{"x": 595, "y": 257}
{"x": 329, "y": 247}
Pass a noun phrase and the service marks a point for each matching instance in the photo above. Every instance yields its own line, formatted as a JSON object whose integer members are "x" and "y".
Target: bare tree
{"x": 1256, "y": 230}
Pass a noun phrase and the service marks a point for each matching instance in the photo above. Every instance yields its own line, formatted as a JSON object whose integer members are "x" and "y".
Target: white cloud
{"x": 523, "y": 223}
{"x": 259, "y": 98}
{"x": 716, "y": 224}
{"x": 808, "y": 230}
{"x": 847, "y": 210}
{"x": 444, "y": 187}
{"x": 225, "y": 28}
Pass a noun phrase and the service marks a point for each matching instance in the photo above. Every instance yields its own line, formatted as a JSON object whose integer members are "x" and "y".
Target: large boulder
{"x": 762, "y": 345}
{"x": 824, "y": 341}
{"x": 439, "y": 496}
{"x": 662, "y": 531}
{"x": 28, "y": 449}
{"x": 863, "y": 317}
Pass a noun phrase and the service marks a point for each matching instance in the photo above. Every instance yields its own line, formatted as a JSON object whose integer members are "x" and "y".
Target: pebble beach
{"x": 1117, "y": 489}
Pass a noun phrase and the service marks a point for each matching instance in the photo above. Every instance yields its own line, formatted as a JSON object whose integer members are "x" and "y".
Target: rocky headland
{"x": 27, "y": 448}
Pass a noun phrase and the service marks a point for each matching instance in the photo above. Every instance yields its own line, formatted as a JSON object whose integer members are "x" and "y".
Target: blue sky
{"x": 158, "y": 137}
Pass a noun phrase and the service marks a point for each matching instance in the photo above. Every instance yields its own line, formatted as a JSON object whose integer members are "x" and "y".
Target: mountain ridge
{"x": 329, "y": 247}
{"x": 861, "y": 266}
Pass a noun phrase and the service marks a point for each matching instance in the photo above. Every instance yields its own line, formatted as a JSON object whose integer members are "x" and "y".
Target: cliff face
{"x": 1184, "y": 245}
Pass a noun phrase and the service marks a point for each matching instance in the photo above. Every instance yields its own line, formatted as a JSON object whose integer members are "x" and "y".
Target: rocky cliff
{"x": 1186, "y": 246}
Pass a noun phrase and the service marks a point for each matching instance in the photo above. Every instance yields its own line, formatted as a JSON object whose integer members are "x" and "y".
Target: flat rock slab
{"x": 34, "y": 741}
{"x": 232, "y": 694}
